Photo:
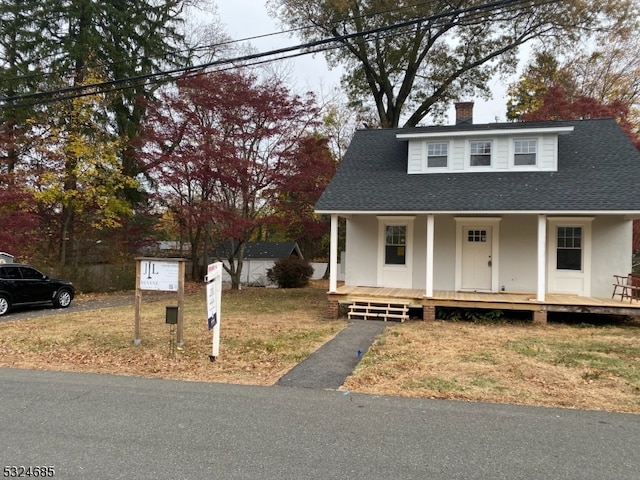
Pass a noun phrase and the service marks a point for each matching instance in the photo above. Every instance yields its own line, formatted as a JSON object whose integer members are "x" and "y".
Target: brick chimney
{"x": 464, "y": 113}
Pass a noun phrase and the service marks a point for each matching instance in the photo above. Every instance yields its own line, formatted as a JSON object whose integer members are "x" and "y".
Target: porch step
{"x": 378, "y": 309}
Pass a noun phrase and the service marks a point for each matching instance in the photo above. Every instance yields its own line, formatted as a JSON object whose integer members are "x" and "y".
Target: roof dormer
{"x": 484, "y": 148}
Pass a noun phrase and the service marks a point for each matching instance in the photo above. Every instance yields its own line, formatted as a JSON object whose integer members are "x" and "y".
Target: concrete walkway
{"x": 331, "y": 364}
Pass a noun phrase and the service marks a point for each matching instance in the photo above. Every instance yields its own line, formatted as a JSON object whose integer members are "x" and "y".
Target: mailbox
{"x": 172, "y": 314}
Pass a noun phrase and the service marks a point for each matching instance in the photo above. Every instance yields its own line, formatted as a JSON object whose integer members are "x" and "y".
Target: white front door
{"x": 395, "y": 252}
{"x": 477, "y": 261}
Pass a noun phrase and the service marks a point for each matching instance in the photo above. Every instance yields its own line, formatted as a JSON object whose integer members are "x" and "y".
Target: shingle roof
{"x": 598, "y": 170}
{"x": 262, "y": 250}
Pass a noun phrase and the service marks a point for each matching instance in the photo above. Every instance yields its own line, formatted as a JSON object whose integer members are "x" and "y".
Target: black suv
{"x": 24, "y": 285}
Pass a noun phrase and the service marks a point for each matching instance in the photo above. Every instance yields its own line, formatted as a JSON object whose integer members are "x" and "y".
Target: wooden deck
{"x": 495, "y": 301}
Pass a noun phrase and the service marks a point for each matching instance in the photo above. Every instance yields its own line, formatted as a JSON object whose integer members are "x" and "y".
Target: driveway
{"x": 85, "y": 303}
{"x": 109, "y": 427}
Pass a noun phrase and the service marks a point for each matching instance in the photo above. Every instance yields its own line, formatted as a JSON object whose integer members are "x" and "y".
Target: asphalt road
{"x": 109, "y": 427}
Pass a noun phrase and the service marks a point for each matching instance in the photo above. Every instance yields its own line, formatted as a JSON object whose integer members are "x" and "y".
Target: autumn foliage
{"x": 232, "y": 155}
{"x": 557, "y": 104}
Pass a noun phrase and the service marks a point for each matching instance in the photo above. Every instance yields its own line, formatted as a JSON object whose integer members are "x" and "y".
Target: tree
{"x": 19, "y": 33}
{"x": 609, "y": 73}
{"x": 128, "y": 38}
{"x": 558, "y": 105}
{"x": 450, "y": 52}
{"x": 221, "y": 147}
{"x": 18, "y": 219}
{"x": 311, "y": 173}
{"x": 527, "y": 94}
{"x": 82, "y": 174}
{"x": 61, "y": 44}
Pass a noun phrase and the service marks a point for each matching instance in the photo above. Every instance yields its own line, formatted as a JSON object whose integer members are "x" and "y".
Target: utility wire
{"x": 307, "y": 48}
{"x": 225, "y": 43}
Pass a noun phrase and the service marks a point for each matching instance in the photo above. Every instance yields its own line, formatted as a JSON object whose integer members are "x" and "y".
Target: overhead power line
{"x": 259, "y": 57}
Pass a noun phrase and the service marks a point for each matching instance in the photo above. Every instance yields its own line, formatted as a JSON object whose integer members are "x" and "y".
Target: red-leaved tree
{"x": 312, "y": 171}
{"x": 17, "y": 217}
{"x": 557, "y": 105}
{"x": 222, "y": 147}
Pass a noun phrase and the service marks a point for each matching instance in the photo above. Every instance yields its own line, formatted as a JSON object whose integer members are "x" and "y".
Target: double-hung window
{"x": 569, "y": 248}
{"x": 525, "y": 152}
{"x": 437, "y": 155}
{"x": 395, "y": 245}
{"x": 480, "y": 153}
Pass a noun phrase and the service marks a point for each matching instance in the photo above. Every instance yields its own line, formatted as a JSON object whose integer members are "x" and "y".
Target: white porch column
{"x": 430, "y": 248}
{"x": 542, "y": 257}
{"x": 333, "y": 254}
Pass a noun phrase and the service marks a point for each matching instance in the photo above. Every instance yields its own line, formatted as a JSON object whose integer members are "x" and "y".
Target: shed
{"x": 6, "y": 258}
{"x": 258, "y": 258}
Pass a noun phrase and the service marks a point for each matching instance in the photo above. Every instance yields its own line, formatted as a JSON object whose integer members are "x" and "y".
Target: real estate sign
{"x": 214, "y": 300}
{"x": 159, "y": 275}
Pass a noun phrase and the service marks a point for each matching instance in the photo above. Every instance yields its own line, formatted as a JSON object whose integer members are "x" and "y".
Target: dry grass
{"x": 555, "y": 365}
{"x": 265, "y": 332}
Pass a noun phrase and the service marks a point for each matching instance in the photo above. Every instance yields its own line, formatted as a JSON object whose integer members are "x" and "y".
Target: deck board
{"x": 500, "y": 300}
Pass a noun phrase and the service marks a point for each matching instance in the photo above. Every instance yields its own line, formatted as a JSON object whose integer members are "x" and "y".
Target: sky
{"x": 249, "y": 18}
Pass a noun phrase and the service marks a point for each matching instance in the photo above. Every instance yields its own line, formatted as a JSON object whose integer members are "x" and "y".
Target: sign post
{"x": 214, "y": 300}
{"x": 160, "y": 274}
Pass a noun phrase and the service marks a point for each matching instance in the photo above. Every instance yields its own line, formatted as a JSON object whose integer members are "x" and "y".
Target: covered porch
{"x": 415, "y": 298}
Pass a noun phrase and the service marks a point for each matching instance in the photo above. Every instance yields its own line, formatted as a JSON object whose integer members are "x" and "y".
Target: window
{"x": 525, "y": 152}
{"x": 569, "y": 248}
{"x": 31, "y": 273}
{"x": 475, "y": 236}
{"x": 395, "y": 250}
{"x": 437, "y": 155}
{"x": 10, "y": 273}
{"x": 480, "y": 154}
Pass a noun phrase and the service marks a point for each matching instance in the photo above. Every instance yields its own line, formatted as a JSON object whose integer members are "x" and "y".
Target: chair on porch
{"x": 627, "y": 286}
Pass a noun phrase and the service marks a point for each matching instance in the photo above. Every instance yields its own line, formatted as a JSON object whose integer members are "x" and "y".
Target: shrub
{"x": 291, "y": 272}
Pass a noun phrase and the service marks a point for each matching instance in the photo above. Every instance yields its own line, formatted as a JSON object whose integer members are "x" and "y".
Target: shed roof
{"x": 263, "y": 250}
{"x": 598, "y": 171}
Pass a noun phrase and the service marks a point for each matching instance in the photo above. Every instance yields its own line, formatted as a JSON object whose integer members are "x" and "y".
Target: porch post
{"x": 430, "y": 247}
{"x": 542, "y": 257}
{"x": 333, "y": 254}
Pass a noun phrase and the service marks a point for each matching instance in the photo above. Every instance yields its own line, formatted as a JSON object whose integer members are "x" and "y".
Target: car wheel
{"x": 5, "y": 304}
{"x": 62, "y": 298}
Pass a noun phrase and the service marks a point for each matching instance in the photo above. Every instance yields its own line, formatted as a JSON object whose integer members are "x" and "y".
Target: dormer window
{"x": 480, "y": 153}
{"x": 525, "y": 152}
{"x": 437, "y": 155}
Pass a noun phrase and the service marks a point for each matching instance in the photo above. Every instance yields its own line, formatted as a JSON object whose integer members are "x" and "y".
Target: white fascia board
{"x": 483, "y": 133}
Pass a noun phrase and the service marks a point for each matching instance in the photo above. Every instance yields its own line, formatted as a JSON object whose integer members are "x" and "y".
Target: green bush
{"x": 291, "y": 272}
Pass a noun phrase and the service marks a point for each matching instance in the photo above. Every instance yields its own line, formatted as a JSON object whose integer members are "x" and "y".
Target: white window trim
{"x": 467, "y": 160}
{"x": 383, "y": 222}
{"x": 426, "y": 167}
{"x": 558, "y": 275}
{"x": 512, "y": 155}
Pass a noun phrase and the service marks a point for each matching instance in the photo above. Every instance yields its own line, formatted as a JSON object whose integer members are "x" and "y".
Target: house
{"x": 532, "y": 216}
{"x": 258, "y": 258}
